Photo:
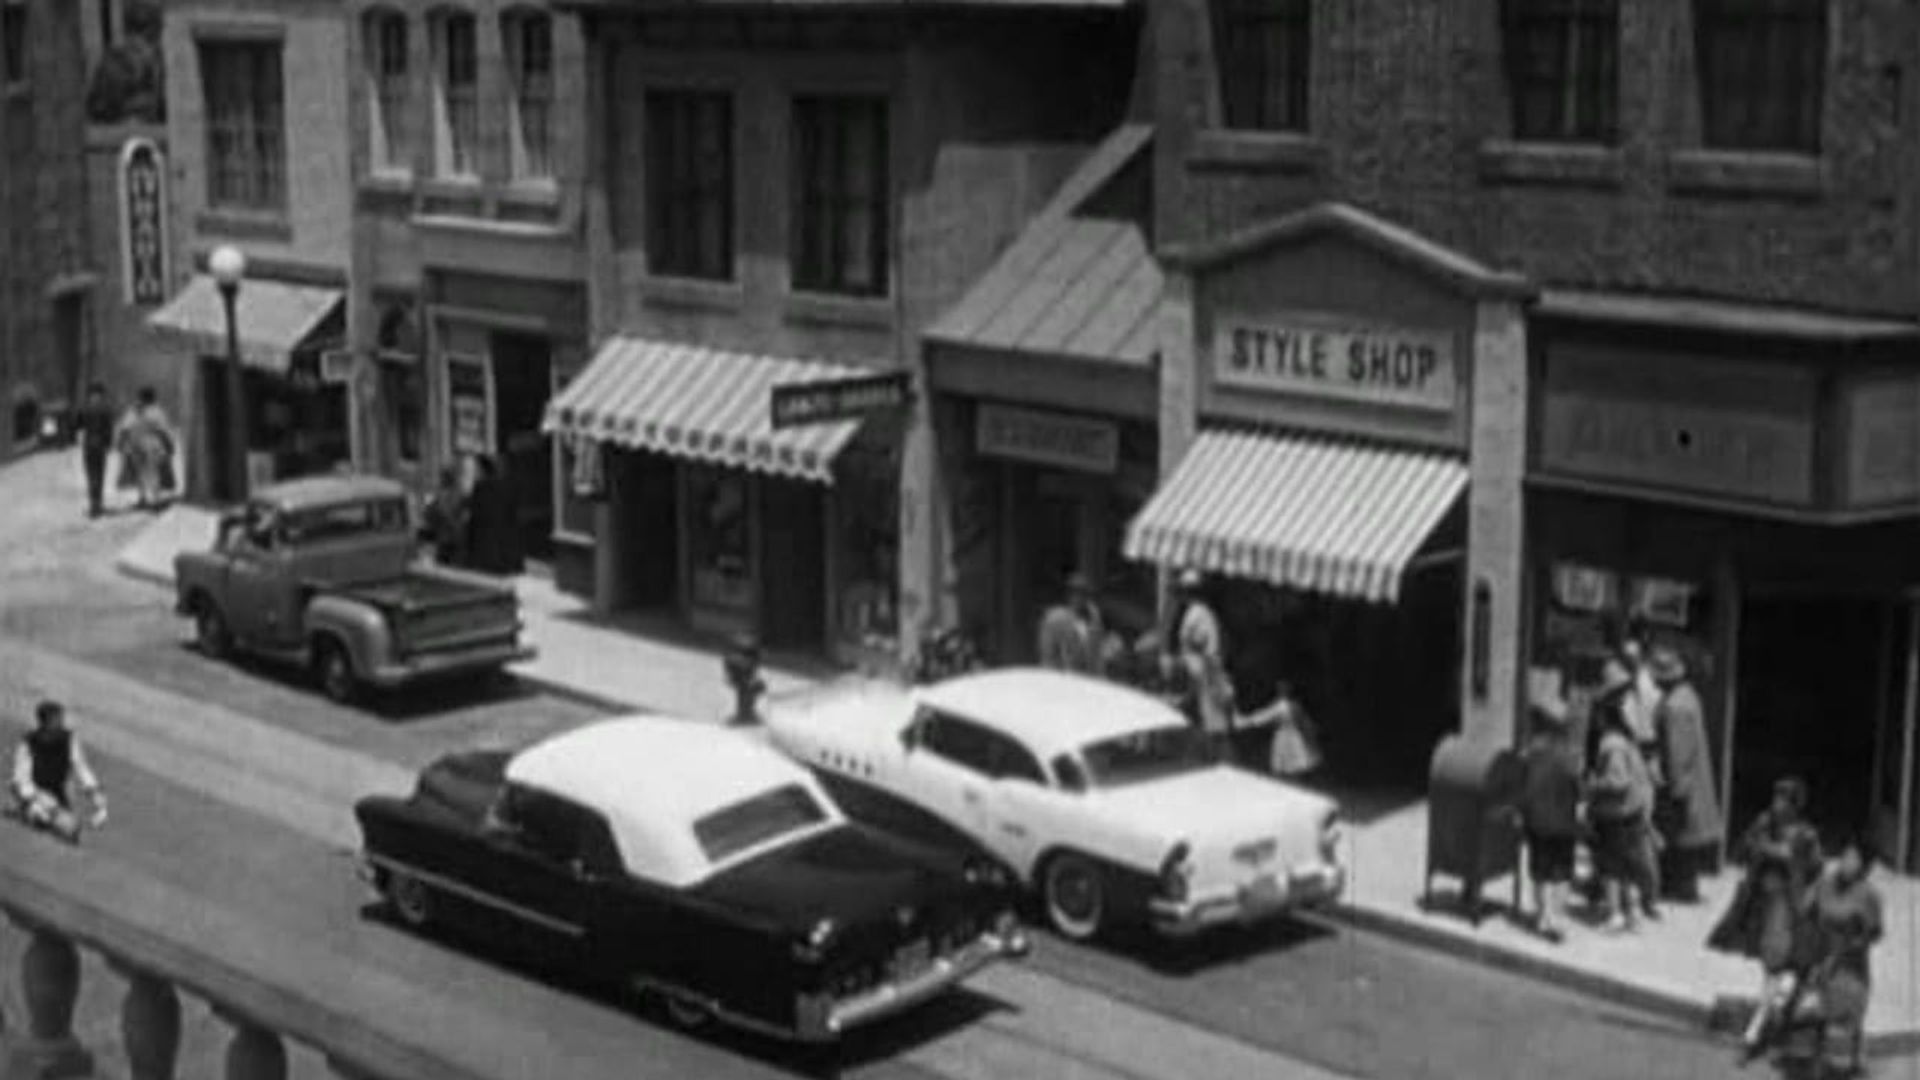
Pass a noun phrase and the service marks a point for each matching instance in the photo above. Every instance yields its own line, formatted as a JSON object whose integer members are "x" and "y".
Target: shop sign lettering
{"x": 143, "y": 222}
{"x": 1381, "y": 366}
{"x": 1679, "y": 447}
{"x": 838, "y": 399}
{"x": 1883, "y": 445}
{"x": 1045, "y": 438}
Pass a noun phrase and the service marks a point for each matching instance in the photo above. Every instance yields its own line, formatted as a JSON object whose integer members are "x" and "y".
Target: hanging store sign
{"x": 839, "y": 399}
{"x": 143, "y": 222}
{"x": 1319, "y": 358}
{"x": 1660, "y": 601}
{"x": 1047, "y": 438}
{"x": 1584, "y": 588}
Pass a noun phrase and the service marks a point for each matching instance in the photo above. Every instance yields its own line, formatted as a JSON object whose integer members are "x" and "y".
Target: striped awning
{"x": 1311, "y": 513}
{"x": 699, "y": 403}
{"x": 272, "y": 318}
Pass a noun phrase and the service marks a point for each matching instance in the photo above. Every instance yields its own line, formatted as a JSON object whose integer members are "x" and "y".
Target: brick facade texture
{"x": 1409, "y": 111}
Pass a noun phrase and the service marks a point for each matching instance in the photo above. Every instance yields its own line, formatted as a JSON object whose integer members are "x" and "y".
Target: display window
{"x": 718, "y": 539}
{"x": 867, "y": 534}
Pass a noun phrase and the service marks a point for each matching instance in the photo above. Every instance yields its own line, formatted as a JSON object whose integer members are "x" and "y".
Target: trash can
{"x": 1472, "y": 833}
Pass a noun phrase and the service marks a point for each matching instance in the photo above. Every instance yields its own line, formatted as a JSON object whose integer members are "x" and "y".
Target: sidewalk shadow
{"x": 1364, "y": 804}
{"x": 657, "y": 628}
{"x": 1185, "y": 958}
{"x": 407, "y": 704}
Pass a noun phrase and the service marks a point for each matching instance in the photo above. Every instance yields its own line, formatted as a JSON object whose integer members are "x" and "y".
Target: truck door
{"x": 253, "y": 569}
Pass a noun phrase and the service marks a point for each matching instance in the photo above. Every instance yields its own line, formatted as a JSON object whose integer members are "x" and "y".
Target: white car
{"x": 1102, "y": 800}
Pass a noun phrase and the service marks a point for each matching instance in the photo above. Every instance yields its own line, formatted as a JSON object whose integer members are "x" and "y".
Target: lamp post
{"x": 229, "y": 265}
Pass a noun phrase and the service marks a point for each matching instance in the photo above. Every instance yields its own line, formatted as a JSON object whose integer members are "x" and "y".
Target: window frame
{"x": 678, "y": 192}
{"x": 1579, "y": 77}
{"x": 1789, "y": 41}
{"x": 825, "y": 196}
{"x": 530, "y": 94}
{"x": 1252, "y": 40}
{"x": 456, "y": 103}
{"x": 391, "y": 138}
{"x": 257, "y": 130}
{"x": 16, "y": 65}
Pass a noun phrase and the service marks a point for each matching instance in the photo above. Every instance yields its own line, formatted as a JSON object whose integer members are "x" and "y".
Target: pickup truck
{"x": 321, "y": 572}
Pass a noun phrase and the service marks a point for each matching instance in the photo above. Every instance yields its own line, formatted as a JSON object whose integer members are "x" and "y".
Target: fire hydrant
{"x": 742, "y": 668}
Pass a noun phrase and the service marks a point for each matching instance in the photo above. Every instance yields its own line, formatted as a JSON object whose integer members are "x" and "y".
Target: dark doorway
{"x": 793, "y": 593}
{"x": 69, "y": 342}
{"x": 649, "y": 501}
{"x": 523, "y": 381}
{"x": 216, "y": 424}
{"x": 1810, "y": 675}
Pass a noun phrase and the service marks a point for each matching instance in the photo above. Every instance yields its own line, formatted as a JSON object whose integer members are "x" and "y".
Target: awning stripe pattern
{"x": 272, "y": 318}
{"x": 699, "y": 403}
{"x": 1312, "y": 513}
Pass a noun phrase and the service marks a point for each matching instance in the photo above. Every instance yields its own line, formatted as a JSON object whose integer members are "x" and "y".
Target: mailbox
{"x": 1473, "y": 833}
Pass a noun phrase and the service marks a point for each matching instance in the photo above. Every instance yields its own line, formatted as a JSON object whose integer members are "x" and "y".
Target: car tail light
{"x": 1331, "y": 833}
{"x": 1176, "y": 872}
{"x": 813, "y": 948}
{"x": 985, "y": 873}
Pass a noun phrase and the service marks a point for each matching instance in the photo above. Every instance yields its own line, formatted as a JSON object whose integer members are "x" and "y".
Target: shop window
{"x": 457, "y": 95}
{"x": 717, "y": 539}
{"x": 841, "y": 181}
{"x": 1563, "y": 69}
{"x": 13, "y": 43}
{"x": 867, "y": 501}
{"x": 690, "y": 184}
{"x": 389, "y": 98}
{"x": 246, "y": 125}
{"x": 1762, "y": 73}
{"x": 529, "y": 41}
{"x": 1263, "y": 49}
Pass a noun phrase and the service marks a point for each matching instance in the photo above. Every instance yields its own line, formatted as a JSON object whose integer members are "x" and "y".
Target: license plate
{"x": 911, "y": 960}
{"x": 1262, "y": 892}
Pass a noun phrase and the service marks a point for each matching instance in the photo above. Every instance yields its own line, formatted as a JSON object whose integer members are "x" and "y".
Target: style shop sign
{"x": 1377, "y": 365}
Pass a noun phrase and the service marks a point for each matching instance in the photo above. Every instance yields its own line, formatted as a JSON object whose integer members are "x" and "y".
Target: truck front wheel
{"x": 210, "y": 630}
{"x": 333, "y": 668}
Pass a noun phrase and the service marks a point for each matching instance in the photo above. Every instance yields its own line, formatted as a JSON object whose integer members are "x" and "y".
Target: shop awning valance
{"x": 274, "y": 318}
{"x": 1312, "y": 513}
{"x": 699, "y": 403}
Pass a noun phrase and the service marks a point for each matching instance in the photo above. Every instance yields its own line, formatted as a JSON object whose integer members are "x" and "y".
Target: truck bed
{"x": 430, "y": 610}
{"x": 416, "y": 589}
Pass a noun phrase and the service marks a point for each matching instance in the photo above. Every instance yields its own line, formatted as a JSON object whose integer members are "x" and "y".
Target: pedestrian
{"x": 1847, "y": 914}
{"x": 741, "y": 667}
{"x": 147, "y": 445}
{"x": 1549, "y": 811}
{"x": 1293, "y": 747}
{"x": 1781, "y": 851}
{"x": 445, "y": 519}
{"x": 48, "y": 763}
{"x": 1201, "y": 646}
{"x": 493, "y": 521}
{"x": 1687, "y": 811}
{"x": 1642, "y": 698}
{"x": 1072, "y": 630}
{"x": 1619, "y": 793}
{"x": 96, "y": 423}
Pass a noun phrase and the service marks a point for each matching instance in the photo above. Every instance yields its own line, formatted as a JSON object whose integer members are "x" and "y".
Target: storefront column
{"x": 925, "y": 598}
{"x": 1497, "y": 457}
{"x": 1179, "y": 370}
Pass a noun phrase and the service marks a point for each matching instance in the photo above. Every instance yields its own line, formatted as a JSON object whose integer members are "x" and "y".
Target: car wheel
{"x": 686, "y": 1012}
{"x": 410, "y": 898}
{"x": 210, "y": 630}
{"x": 334, "y": 670}
{"x": 1074, "y": 892}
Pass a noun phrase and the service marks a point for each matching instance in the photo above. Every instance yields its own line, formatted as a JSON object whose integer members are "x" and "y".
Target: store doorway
{"x": 522, "y": 383}
{"x": 1810, "y": 686}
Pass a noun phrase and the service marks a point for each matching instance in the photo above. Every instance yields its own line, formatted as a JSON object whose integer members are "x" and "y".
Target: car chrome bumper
{"x": 443, "y": 665}
{"x": 1300, "y": 888}
{"x": 841, "y": 1016}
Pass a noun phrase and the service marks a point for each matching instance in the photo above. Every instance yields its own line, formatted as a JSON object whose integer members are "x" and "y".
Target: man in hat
{"x": 1071, "y": 631}
{"x": 1688, "y": 812}
{"x": 1619, "y": 790}
{"x": 1549, "y": 810}
{"x": 48, "y": 764}
{"x": 1202, "y": 649}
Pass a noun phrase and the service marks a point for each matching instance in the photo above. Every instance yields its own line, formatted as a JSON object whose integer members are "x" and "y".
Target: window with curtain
{"x": 1762, "y": 69}
{"x": 840, "y": 180}
{"x": 1563, "y": 69}
{"x": 246, "y": 125}
{"x": 458, "y": 82}
{"x": 384, "y": 39}
{"x": 1262, "y": 49}
{"x": 689, "y": 162}
{"x": 529, "y": 45}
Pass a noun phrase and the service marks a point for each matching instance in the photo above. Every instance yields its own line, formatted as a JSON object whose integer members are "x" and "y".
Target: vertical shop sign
{"x": 143, "y": 222}
{"x": 470, "y": 404}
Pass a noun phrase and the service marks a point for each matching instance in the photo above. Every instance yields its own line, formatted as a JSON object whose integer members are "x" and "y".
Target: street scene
{"x": 1107, "y": 539}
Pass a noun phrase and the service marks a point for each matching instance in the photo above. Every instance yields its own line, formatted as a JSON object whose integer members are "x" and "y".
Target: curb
{"x": 580, "y": 695}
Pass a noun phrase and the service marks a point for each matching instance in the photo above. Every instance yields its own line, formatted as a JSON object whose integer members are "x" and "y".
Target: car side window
{"x": 962, "y": 742}
{"x": 1011, "y": 761}
{"x": 545, "y": 825}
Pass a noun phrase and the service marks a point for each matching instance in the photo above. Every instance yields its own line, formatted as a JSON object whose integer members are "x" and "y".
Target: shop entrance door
{"x": 793, "y": 556}
{"x": 1043, "y": 543}
{"x": 1896, "y": 772}
{"x": 1810, "y": 680}
{"x": 216, "y": 426}
{"x": 522, "y": 382}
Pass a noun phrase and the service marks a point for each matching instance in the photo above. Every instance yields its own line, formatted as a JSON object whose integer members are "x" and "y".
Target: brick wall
{"x": 1409, "y": 113}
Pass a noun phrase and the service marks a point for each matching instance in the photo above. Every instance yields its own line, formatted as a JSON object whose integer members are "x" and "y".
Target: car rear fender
{"x": 357, "y": 627}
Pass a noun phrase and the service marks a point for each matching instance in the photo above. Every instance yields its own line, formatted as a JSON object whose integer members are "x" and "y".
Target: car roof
{"x": 309, "y": 492}
{"x": 1051, "y": 711}
{"x": 652, "y": 777}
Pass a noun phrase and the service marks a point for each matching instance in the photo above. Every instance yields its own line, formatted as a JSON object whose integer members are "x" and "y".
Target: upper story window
{"x": 13, "y": 43}
{"x": 246, "y": 125}
{"x": 389, "y": 96}
{"x": 1262, "y": 48}
{"x": 529, "y": 42}
{"x": 457, "y": 95}
{"x": 690, "y": 183}
{"x": 841, "y": 180}
{"x": 1763, "y": 66}
{"x": 1563, "y": 69}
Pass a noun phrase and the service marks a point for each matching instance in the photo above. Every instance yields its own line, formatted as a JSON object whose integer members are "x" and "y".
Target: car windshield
{"x": 1146, "y": 755}
{"x": 756, "y": 821}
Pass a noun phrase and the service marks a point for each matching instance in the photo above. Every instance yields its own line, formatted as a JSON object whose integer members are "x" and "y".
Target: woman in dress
{"x": 1846, "y": 910}
{"x": 146, "y": 444}
{"x": 1781, "y": 851}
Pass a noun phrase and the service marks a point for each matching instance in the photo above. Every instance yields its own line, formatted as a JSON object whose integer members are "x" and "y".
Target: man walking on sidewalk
{"x": 95, "y": 422}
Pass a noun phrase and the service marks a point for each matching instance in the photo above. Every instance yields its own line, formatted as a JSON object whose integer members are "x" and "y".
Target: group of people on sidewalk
{"x": 472, "y": 519}
{"x": 1639, "y": 795}
{"x": 147, "y": 443}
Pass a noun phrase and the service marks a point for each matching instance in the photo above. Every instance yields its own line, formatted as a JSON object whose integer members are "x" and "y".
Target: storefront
{"x": 709, "y": 514}
{"x": 298, "y": 419}
{"x": 1751, "y": 498}
{"x": 1342, "y": 382}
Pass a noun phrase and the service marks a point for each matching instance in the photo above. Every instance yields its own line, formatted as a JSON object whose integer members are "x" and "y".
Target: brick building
{"x": 45, "y": 279}
{"x": 1639, "y": 275}
{"x": 256, "y": 125}
{"x": 783, "y": 196}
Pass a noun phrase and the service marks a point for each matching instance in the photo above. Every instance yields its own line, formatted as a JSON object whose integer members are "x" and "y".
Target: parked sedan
{"x": 692, "y": 862}
{"x": 1102, "y": 800}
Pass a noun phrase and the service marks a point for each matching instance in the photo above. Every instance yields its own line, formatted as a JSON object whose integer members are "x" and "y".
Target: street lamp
{"x": 229, "y": 265}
